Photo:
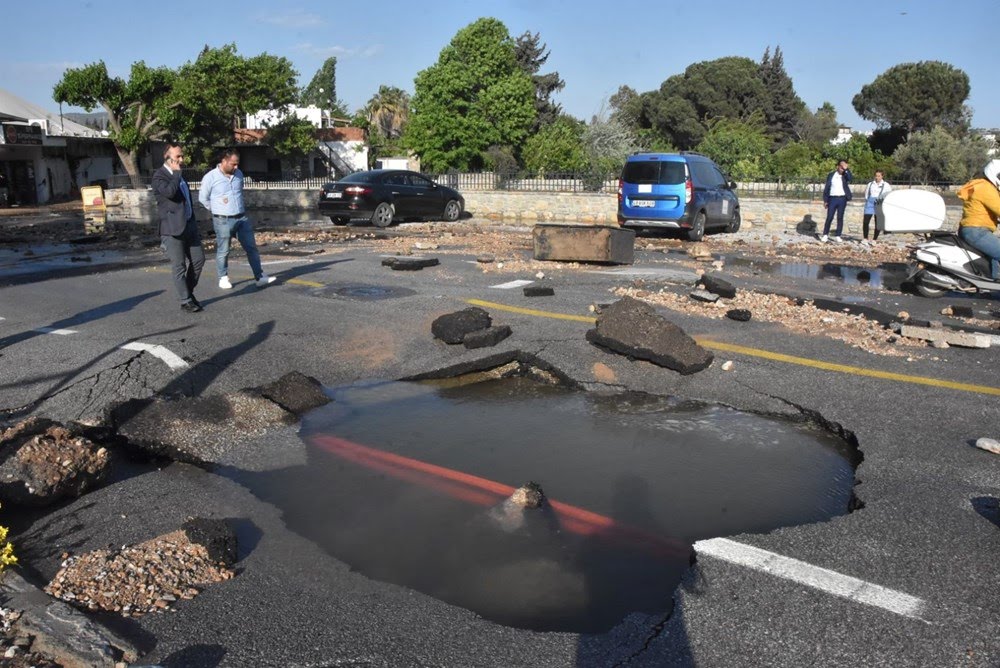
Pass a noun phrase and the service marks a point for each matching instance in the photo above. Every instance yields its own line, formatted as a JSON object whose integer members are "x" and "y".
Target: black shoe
{"x": 190, "y": 307}
{"x": 195, "y": 302}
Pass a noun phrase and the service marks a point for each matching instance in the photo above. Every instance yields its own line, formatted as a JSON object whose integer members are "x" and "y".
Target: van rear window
{"x": 654, "y": 171}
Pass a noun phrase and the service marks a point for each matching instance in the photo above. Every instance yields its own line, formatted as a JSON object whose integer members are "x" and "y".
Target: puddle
{"x": 404, "y": 480}
{"x": 888, "y": 276}
{"x": 372, "y": 292}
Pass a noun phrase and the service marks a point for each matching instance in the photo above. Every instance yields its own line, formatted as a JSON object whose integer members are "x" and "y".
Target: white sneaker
{"x": 824, "y": 238}
{"x": 225, "y": 284}
{"x": 837, "y": 240}
{"x": 264, "y": 280}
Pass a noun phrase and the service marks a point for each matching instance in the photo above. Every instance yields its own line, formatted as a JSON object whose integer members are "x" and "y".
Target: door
{"x": 427, "y": 196}
{"x": 403, "y": 197}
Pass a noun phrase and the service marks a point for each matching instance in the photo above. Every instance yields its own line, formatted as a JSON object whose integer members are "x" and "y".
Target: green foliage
{"x": 135, "y": 108}
{"x": 388, "y": 111}
{"x": 916, "y": 96}
{"x": 739, "y": 148}
{"x": 474, "y": 97}
{"x": 322, "y": 90}
{"x": 859, "y": 155}
{"x": 817, "y": 128}
{"x": 729, "y": 88}
{"x": 292, "y": 137}
{"x": 557, "y": 147}
{"x": 531, "y": 54}
{"x": 782, "y": 106}
{"x": 606, "y": 144}
{"x": 797, "y": 161}
{"x": 936, "y": 155}
{"x": 214, "y": 94}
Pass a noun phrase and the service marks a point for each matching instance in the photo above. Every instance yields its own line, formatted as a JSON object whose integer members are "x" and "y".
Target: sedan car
{"x": 384, "y": 195}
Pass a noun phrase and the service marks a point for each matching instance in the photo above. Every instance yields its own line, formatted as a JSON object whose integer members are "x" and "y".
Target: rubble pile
{"x": 136, "y": 580}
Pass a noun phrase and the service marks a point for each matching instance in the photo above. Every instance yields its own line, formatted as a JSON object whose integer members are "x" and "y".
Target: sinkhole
{"x": 408, "y": 483}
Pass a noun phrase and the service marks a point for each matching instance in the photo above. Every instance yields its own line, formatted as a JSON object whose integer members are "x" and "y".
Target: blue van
{"x": 677, "y": 190}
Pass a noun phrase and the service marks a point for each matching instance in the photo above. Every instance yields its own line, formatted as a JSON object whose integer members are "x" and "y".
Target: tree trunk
{"x": 131, "y": 164}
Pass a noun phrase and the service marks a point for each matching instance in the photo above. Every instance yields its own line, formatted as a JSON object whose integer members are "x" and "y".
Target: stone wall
{"x": 772, "y": 215}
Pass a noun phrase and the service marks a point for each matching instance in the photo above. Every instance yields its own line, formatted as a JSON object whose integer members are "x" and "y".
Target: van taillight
{"x": 620, "y": 185}
{"x": 688, "y": 190}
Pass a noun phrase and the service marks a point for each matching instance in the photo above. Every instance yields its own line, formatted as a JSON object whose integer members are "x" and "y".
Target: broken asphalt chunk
{"x": 452, "y": 327}
{"x": 538, "y": 291}
{"x": 485, "y": 338}
{"x": 296, "y": 392}
{"x": 704, "y": 296}
{"x": 719, "y": 286}
{"x": 632, "y": 327}
{"x": 738, "y": 314}
{"x": 409, "y": 263}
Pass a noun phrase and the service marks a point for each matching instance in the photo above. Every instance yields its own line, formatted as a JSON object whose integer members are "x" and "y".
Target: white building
{"x": 844, "y": 134}
{"x": 265, "y": 118}
{"x": 44, "y": 156}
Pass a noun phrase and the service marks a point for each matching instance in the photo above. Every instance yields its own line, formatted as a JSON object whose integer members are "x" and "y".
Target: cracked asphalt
{"x": 929, "y": 527}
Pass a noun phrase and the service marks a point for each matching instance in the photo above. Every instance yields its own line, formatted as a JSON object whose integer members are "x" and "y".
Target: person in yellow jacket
{"x": 980, "y": 211}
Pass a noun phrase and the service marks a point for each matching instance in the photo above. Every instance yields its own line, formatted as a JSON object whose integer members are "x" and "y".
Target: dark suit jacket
{"x": 170, "y": 202}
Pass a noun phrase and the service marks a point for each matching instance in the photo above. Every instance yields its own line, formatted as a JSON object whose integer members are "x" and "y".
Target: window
{"x": 654, "y": 171}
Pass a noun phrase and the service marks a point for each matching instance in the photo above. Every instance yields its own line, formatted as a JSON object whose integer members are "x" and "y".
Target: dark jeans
{"x": 864, "y": 225}
{"x": 186, "y": 260}
{"x": 838, "y": 205}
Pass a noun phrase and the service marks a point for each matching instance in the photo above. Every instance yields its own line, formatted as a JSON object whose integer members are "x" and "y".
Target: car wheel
{"x": 383, "y": 215}
{"x": 697, "y": 231}
{"x": 339, "y": 220}
{"x": 734, "y": 224}
{"x": 452, "y": 210}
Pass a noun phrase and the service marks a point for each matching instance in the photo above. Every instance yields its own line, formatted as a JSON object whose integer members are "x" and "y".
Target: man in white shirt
{"x": 836, "y": 195}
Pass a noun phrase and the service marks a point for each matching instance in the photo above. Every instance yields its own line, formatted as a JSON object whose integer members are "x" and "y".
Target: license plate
{"x": 643, "y": 203}
{"x": 334, "y": 195}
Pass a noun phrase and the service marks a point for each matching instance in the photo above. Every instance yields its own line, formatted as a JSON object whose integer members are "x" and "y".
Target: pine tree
{"x": 531, "y": 55}
{"x": 783, "y": 107}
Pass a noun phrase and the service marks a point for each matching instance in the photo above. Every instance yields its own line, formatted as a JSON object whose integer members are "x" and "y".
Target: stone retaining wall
{"x": 772, "y": 215}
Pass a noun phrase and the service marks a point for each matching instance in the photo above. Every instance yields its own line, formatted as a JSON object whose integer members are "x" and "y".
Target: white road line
{"x": 52, "y": 330}
{"x": 822, "y": 579}
{"x": 512, "y": 284}
{"x": 170, "y": 359}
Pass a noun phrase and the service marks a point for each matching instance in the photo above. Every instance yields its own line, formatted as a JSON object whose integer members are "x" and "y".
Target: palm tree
{"x": 388, "y": 111}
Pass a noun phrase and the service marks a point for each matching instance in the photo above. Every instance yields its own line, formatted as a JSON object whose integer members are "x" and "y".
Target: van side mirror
{"x": 732, "y": 185}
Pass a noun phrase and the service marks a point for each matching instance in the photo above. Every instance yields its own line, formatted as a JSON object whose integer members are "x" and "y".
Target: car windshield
{"x": 654, "y": 171}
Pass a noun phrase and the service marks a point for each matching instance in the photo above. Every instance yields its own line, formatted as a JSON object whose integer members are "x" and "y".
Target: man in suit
{"x": 836, "y": 195}
{"x": 179, "y": 235}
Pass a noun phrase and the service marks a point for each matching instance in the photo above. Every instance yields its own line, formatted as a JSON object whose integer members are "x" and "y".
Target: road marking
{"x": 52, "y": 330}
{"x": 530, "y": 311}
{"x": 512, "y": 284}
{"x": 170, "y": 359}
{"x": 816, "y": 577}
{"x": 777, "y": 357}
{"x": 300, "y": 281}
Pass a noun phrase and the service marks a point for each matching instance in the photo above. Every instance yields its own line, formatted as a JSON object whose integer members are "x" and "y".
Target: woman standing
{"x": 874, "y": 193}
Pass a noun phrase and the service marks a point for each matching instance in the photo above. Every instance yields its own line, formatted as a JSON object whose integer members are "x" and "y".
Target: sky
{"x": 831, "y": 49}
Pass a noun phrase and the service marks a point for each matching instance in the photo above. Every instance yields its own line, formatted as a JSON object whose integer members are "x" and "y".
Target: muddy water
{"x": 406, "y": 482}
{"x": 888, "y": 276}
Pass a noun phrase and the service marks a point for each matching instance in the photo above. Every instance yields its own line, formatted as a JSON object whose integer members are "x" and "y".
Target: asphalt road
{"x": 909, "y": 579}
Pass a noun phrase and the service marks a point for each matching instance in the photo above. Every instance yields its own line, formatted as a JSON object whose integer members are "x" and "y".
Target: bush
{"x": 7, "y": 557}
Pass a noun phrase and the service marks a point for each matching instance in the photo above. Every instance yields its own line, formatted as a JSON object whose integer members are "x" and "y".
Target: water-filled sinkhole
{"x": 406, "y": 482}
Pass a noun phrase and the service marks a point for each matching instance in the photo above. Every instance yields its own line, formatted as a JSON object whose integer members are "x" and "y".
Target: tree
{"x": 474, "y": 97}
{"x": 819, "y": 127}
{"x": 729, "y": 87}
{"x": 322, "y": 90}
{"x": 782, "y": 106}
{"x": 915, "y": 96}
{"x": 740, "y": 148}
{"x": 607, "y": 143}
{"x": 388, "y": 111}
{"x": 933, "y": 156}
{"x": 292, "y": 137}
{"x": 531, "y": 55}
{"x": 859, "y": 154}
{"x": 135, "y": 108}
{"x": 213, "y": 95}
{"x": 557, "y": 147}
{"x": 797, "y": 161}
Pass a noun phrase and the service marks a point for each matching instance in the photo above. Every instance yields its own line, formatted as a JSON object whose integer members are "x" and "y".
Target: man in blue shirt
{"x": 179, "y": 235}
{"x": 221, "y": 193}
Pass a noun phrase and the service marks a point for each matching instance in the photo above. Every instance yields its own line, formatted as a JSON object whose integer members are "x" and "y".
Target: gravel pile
{"x": 148, "y": 577}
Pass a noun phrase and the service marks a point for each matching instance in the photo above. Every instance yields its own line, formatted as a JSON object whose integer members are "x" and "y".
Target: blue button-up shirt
{"x": 222, "y": 194}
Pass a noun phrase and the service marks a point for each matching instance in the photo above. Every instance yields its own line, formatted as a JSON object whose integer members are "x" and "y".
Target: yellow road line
{"x": 299, "y": 281}
{"x": 777, "y": 357}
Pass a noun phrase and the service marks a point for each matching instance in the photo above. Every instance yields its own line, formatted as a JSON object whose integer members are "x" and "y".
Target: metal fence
{"x": 764, "y": 187}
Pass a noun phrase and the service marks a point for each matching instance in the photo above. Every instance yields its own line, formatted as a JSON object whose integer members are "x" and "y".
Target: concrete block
{"x": 934, "y": 335}
{"x": 584, "y": 243}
